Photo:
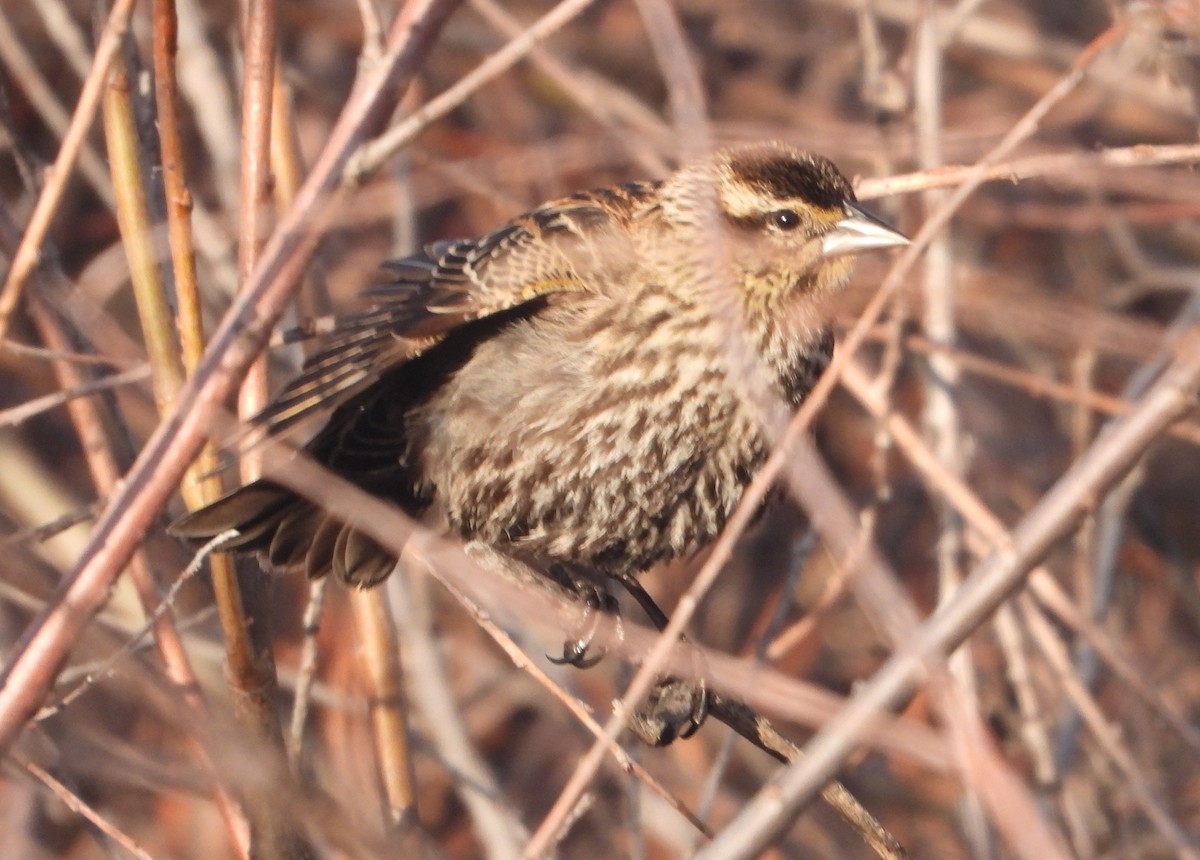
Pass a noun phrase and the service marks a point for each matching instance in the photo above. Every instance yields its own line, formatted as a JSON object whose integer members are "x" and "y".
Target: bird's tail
{"x": 289, "y": 532}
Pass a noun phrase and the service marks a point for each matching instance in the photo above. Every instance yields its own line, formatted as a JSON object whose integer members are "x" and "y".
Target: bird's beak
{"x": 859, "y": 231}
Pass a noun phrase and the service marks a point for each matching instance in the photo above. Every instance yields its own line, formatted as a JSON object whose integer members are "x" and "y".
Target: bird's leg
{"x": 675, "y": 707}
{"x": 657, "y": 617}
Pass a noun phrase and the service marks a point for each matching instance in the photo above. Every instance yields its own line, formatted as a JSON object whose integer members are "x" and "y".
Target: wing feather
{"x": 418, "y": 327}
{"x": 563, "y": 247}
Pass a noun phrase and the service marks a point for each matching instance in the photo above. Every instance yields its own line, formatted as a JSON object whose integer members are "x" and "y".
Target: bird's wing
{"x": 559, "y": 249}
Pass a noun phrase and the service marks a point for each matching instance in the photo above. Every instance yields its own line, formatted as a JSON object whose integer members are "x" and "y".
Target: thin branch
{"x": 375, "y": 152}
{"x": 32, "y": 662}
{"x": 77, "y": 805}
{"x": 56, "y": 179}
{"x": 379, "y": 660}
{"x": 18, "y": 414}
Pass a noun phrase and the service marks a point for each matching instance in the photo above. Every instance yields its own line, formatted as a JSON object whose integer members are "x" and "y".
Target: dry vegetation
{"x": 1021, "y": 381}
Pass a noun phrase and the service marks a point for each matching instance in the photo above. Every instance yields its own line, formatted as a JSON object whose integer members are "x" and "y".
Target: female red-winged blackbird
{"x": 560, "y": 389}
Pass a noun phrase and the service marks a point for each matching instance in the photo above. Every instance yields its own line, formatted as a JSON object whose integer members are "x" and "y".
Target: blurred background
{"x": 1059, "y": 289}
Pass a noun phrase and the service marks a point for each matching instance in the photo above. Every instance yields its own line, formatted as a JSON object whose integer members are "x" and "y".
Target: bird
{"x": 565, "y": 389}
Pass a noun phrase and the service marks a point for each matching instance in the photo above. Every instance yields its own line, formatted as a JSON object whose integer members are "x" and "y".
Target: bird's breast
{"x": 609, "y": 436}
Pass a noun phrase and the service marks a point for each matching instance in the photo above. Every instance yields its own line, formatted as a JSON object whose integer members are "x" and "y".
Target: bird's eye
{"x": 784, "y": 219}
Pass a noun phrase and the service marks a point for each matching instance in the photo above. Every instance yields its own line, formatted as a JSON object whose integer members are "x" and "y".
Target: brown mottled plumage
{"x": 560, "y": 389}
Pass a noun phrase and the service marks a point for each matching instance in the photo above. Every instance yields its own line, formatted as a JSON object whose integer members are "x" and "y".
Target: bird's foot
{"x": 674, "y": 709}
{"x": 579, "y": 651}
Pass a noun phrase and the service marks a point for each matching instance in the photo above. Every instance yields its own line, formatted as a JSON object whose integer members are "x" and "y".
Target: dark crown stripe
{"x": 784, "y": 177}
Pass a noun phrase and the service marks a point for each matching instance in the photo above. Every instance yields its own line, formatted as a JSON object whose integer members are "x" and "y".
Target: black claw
{"x": 598, "y": 602}
{"x": 576, "y": 654}
{"x": 699, "y": 712}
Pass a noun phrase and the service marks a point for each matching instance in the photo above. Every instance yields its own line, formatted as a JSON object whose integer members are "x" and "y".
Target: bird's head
{"x": 788, "y": 219}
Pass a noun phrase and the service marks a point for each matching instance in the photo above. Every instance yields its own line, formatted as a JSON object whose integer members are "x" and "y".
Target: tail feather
{"x": 290, "y": 532}
{"x": 293, "y": 535}
{"x": 359, "y": 560}
{"x": 319, "y": 559}
{"x": 253, "y": 511}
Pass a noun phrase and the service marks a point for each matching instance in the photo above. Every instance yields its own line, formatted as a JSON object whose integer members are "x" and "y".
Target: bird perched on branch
{"x": 570, "y": 389}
